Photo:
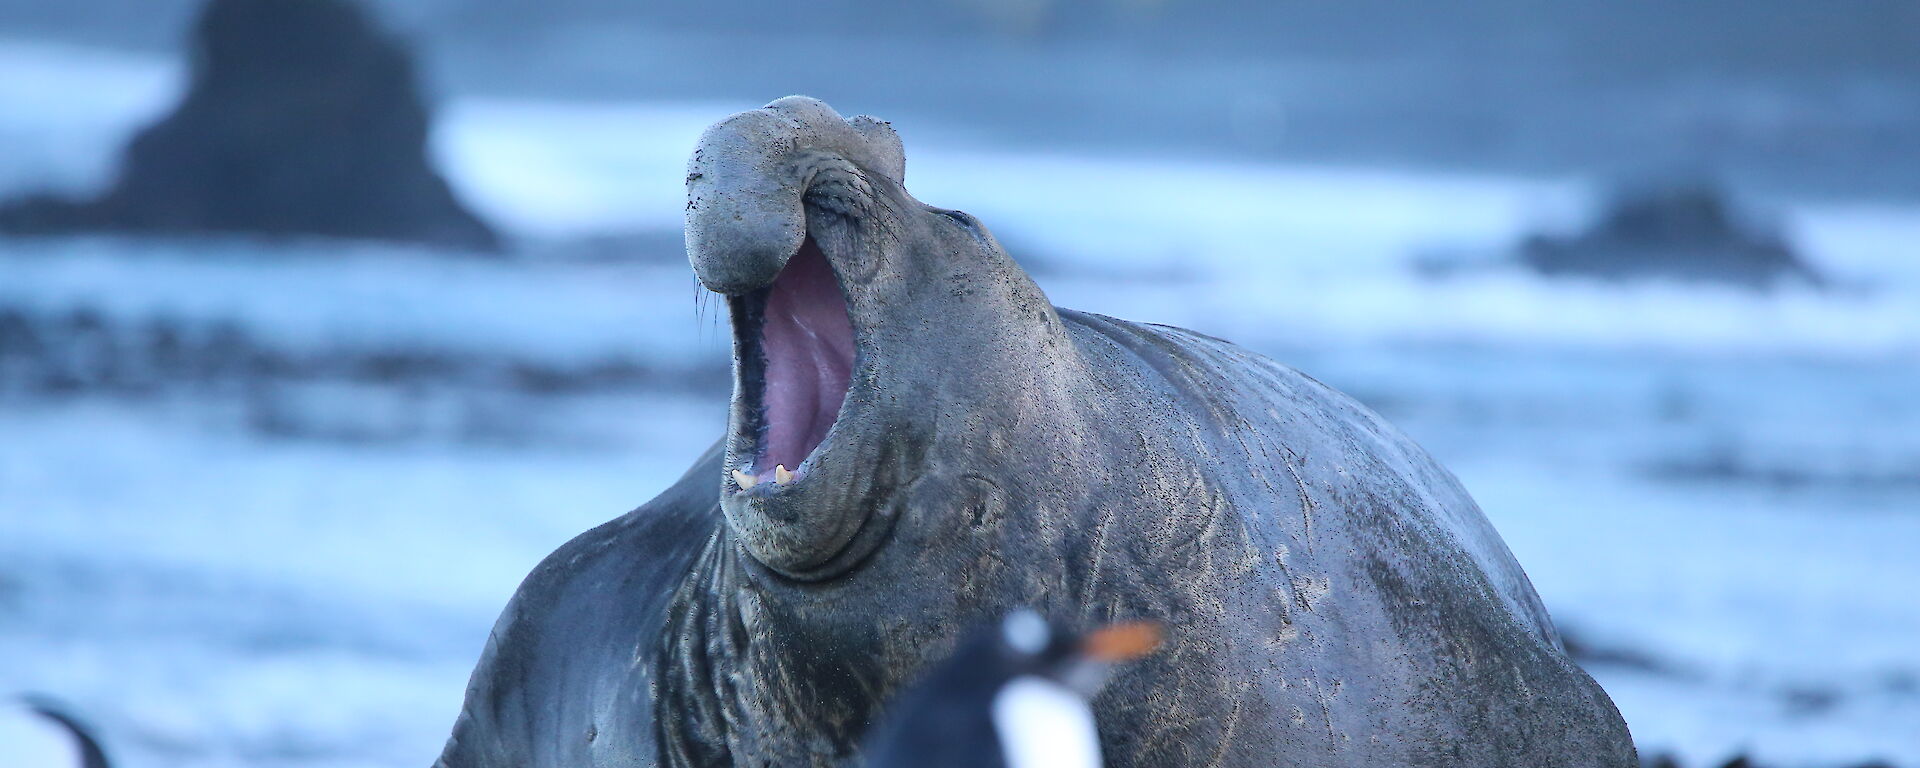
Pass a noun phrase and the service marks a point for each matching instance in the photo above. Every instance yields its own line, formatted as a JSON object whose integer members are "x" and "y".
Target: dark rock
{"x": 1666, "y": 760}
{"x": 1590, "y": 655}
{"x": 1675, "y": 231}
{"x": 166, "y": 350}
{"x": 18, "y": 338}
{"x": 302, "y": 118}
{"x": 1807, "y": 701}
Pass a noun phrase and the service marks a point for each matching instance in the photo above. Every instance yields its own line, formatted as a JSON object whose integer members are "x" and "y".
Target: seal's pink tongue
{"x": 808, "y": 343}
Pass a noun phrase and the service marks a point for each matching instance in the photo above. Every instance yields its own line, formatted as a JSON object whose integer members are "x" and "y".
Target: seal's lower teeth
{"x": 744, "y": 480}
{"x": 780, "y": 475}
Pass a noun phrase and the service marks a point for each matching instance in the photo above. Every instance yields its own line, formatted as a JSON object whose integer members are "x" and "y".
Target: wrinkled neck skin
{"x": 820, "y": 596}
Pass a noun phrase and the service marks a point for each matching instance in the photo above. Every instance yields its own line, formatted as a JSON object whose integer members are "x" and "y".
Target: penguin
{"x": 35, "y": 733}
{"x": 1018, "y": 695}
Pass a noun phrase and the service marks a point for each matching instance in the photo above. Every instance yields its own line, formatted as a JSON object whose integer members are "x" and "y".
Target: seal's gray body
{"x": 1333, "y": 596}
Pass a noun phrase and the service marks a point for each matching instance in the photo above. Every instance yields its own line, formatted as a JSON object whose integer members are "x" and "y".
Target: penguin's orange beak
{"x": 1125, "y": 641}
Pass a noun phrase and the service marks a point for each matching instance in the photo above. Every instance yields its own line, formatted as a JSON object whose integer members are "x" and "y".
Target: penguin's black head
{"x": 1016, "y": 694}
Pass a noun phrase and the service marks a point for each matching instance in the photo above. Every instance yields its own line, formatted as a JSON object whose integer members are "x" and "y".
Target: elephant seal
{"x": 920, "y": 442}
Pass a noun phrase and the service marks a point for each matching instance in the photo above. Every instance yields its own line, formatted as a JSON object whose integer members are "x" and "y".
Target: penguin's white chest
{"x": 30, "y": 740}
{"x": 1043, "y": 724}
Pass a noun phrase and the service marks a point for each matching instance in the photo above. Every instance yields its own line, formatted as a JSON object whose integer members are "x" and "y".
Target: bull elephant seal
{"x": 919, "y": 442}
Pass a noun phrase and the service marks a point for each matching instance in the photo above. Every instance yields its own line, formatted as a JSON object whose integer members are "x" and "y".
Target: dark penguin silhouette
{"x": 35, "y": 733}
{"x": 1017, "y": 696}
{"x": 302, "y": 118}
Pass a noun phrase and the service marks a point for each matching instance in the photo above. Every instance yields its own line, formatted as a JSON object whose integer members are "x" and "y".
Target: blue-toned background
{"x": 261, "y": 499}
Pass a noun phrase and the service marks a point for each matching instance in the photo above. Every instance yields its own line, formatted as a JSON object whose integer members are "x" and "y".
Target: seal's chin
{"x": 795, "y": 349}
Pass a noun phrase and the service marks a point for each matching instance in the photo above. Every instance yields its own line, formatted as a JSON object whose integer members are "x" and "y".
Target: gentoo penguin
{"x": 1017, "y": 696}
{"x": 35, "y": 733}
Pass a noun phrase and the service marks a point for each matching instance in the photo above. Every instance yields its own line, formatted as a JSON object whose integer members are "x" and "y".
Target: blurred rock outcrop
{"x": 1675, "y": 230}
{"x": 1738, "y": 761}
{"x": 301, "y": 118}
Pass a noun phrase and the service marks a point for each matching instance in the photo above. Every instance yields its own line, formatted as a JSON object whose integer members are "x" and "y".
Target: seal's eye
{"x": 962, "y": 218}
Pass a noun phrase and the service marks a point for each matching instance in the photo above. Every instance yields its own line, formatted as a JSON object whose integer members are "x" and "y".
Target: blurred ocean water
{"x": 260, "y": 501}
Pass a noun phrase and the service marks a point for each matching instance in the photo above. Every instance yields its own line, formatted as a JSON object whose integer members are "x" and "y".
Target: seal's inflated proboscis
{"x": 920, "y": 442}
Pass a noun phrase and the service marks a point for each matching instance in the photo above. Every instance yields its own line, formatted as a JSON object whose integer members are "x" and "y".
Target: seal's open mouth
{"x": 796, "y": 349}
